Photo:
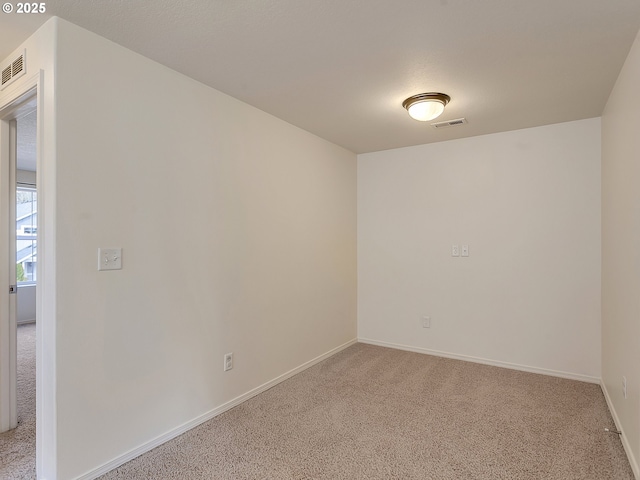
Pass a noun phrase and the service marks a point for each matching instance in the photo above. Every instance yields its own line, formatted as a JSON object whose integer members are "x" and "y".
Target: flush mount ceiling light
{"x": 426, "y": 106}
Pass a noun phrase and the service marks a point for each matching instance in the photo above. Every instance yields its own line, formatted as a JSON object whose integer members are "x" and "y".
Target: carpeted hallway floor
{"x": 375, "y": 413}
{"x": 18, "y": 446}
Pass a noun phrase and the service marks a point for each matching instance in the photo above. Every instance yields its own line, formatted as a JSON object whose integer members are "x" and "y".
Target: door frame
{"x": 11, "y": 100}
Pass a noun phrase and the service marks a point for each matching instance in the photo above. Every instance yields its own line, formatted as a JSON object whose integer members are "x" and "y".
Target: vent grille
{"x": 6, "y": 75}
{"x": 14, "y": 70}
{"x": 17, "y": 65}
{"x": 450, "y": 123}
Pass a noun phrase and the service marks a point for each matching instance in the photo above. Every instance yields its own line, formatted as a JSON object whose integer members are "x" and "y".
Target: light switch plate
{"x": 109, "y": 258}
{"x": 465, "y": 250}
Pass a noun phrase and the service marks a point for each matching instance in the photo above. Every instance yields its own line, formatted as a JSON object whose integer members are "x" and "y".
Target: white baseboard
{"x": 484, "y": 361}
{"x": 136, "y": 452}
{"x": 625, "y": 443}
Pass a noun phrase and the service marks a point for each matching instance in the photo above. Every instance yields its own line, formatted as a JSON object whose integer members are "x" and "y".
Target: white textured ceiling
{"x": 341, "y": 68}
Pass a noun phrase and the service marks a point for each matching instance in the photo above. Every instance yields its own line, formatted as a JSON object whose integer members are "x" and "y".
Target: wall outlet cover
{"x": 109, "y": 259}
{"x": 228, "y": 362}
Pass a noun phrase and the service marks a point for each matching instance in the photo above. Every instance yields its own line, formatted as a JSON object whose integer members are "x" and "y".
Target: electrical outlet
{"x": 426, "y": 322}
{"x": 455, "y": 251}
{"x": 228, "y": 362}
{"x": 624, "y": 386}
{"x": 109, "y": 259}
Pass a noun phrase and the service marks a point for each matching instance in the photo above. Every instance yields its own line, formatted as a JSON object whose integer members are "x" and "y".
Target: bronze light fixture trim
{"x": 426, "y": 106}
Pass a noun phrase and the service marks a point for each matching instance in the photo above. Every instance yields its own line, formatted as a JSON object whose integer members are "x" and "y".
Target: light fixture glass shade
{"x": 427, "y": 110}
{"x": 426, "y": 106}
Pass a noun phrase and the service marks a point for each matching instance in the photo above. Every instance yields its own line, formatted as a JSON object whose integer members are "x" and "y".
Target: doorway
{"x": 18, "y": 249}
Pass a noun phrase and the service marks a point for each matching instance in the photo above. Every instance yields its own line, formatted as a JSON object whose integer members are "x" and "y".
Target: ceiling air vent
{"x": 450, "y": 123}
{"x": 15, "y": 69}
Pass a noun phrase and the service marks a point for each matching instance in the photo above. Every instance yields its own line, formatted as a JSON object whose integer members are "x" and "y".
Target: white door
{"x": 8, "y": 287}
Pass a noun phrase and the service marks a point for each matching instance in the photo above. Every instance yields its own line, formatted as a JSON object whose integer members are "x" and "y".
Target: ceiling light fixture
{"x": 426, "y": 106}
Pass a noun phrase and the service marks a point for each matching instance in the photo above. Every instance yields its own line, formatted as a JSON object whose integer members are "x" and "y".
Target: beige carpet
{"x": 376, "y": 413}
{"x": 18, "y": 446}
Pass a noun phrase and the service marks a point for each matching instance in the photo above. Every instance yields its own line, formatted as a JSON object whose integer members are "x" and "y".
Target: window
{"x": 26, "y": 234}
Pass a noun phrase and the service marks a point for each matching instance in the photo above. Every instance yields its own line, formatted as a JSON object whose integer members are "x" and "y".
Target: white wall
{"x": 620, "y": 253}
{"x": 238, "y": 233}
{"x": 26, "y": 308}
{"x": 527, "y": 203}
{"x": 40, "y": 72}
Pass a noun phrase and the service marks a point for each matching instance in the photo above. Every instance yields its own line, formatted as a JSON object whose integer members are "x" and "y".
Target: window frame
{"x": 25, "y": 187}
